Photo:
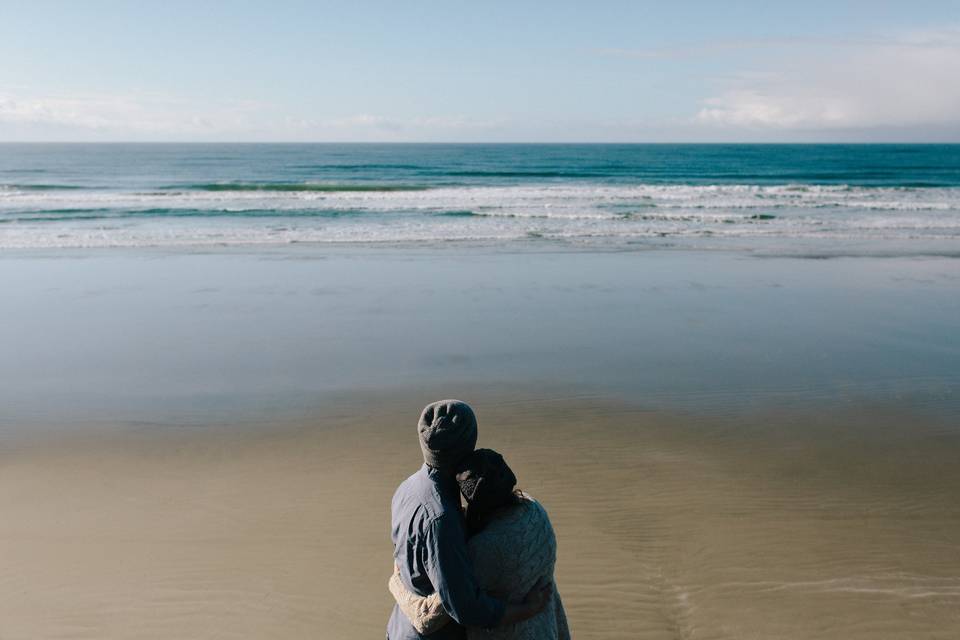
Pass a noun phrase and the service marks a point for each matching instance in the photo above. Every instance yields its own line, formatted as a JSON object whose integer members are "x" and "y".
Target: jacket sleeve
{"x": 450, "y": 572}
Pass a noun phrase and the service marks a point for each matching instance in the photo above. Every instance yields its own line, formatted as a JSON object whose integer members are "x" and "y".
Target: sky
{"x": 452, "y": 71}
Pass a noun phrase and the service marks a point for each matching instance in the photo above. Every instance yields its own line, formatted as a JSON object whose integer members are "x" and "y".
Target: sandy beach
{"x": 670, "y": 526}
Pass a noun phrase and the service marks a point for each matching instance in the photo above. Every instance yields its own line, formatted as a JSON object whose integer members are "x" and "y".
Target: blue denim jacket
{"x": 430, "y": 548}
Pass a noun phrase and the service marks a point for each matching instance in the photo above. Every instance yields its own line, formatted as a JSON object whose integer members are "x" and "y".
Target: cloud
{"x": 363, "y": 120}
{"x": 907, "y": 82}
{"x": 142, "y": 116}
{"x": 711, "y": 48}
{"x": 366, "y": 121}
{"x": 137, "y": 114}
{"x": 802, "y": 88}
{"x": 363, "y": 127}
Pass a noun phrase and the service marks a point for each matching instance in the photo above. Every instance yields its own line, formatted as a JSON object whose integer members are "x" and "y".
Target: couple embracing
{"x": 485, "y": 573}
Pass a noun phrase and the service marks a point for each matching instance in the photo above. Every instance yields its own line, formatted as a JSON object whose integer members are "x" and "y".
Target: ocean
{"x": 781, "y": 199}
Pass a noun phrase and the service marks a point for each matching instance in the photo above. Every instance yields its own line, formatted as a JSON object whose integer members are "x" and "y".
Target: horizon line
{"x": 475, "y": 142}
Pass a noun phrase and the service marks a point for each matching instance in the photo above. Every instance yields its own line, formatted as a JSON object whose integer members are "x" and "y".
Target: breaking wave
{"x": 269, "y": 212}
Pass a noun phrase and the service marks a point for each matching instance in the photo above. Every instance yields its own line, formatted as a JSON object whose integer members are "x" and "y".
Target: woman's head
{"x": 486, "y": 483}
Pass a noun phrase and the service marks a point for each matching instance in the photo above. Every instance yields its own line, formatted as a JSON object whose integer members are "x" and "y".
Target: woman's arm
{"x": 426, "y": 614}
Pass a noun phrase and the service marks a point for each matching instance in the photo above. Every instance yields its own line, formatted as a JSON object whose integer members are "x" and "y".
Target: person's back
{"x": 423, "y": 514}
{"x": 515, "y": 549}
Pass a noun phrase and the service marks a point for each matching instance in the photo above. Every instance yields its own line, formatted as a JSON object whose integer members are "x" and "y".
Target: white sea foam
{"x": 85, "y": 218}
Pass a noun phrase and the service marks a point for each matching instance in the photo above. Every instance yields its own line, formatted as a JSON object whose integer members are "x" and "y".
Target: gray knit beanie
{"x": 448, "y": 432}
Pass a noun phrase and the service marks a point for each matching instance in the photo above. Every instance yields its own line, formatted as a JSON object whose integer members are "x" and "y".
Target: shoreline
{"x": 772, "y": 248}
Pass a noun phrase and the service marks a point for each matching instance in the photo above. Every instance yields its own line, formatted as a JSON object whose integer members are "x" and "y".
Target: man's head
{"x": 448, "y": 433}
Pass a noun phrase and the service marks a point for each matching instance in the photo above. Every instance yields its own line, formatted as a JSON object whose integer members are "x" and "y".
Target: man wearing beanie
{"x": 430, "y": 538}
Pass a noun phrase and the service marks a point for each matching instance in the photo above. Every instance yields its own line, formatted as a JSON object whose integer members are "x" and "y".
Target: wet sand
{"x": 816, "y": 525}
{"x": 203, "y": 337}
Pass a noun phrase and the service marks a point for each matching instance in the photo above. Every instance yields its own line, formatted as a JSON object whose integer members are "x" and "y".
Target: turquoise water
{"x": 800, "y": 199}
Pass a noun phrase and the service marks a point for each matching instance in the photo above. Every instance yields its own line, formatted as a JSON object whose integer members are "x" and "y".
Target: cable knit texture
{"x": 509, "y": 555}
{"x": 425, "y": 614}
